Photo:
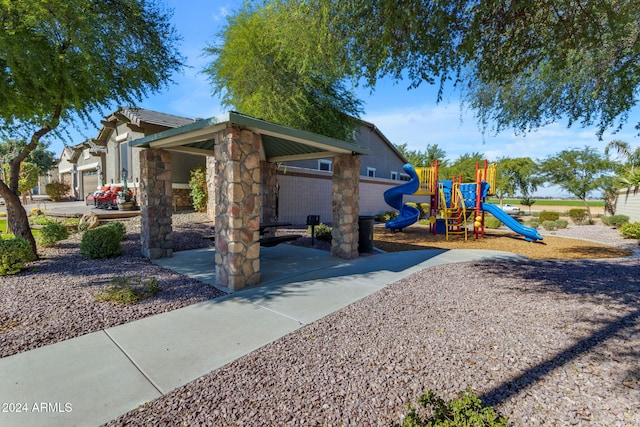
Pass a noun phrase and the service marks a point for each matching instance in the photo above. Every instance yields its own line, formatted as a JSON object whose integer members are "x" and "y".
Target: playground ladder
{"x": 455, "y": 215}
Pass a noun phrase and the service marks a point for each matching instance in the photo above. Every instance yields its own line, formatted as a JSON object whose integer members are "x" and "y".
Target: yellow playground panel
{"x": 428, "y": 181}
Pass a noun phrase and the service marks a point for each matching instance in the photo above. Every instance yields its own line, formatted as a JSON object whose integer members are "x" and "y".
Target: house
{"x": 628, "y": 203}
{"x": 305, "y": 185}
{"x": 109, "y": 158}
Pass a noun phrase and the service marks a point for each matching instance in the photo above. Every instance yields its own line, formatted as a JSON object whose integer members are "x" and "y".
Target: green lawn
{"x": 552, "y": 202}
{"x": 3, "y": 229}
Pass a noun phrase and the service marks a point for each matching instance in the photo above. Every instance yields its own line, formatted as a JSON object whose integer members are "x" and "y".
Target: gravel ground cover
{"x": 55, "y": 297}
{"x": 549, "y": 342}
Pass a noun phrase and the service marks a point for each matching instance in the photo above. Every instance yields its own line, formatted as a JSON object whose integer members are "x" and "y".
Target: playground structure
{"x": 453, "y": 204}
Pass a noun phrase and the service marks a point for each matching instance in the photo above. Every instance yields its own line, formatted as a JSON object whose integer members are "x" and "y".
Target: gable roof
{"x": 280, "y": 143}
{"x": 139, "y": 117}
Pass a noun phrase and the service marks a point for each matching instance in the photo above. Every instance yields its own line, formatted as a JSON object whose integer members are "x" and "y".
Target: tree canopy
{"x": 65, "y": 58}
{"x": 578, "y": 172}
{"x": 520, "y": 64}
{"x": 264, "y": 67}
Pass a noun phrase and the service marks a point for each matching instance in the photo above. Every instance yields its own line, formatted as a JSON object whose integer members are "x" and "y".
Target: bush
{"x": 466, "y": 410}
{"x": 14, "y": 254}
{"x": 129, "y": 290}
{"x": 615, "y": 220}
{"x": 101, "y": 242}
{"x": 534, "y": 223}
{"x": 198, "y": 186}
{"x": 118, "y": 228}
{"x": 387, "y": 216}
{"x": 549, "y": 225}
{"x": 52, "y": 233}
{"x": 630, "y": 230}
{"x": 561, "y": 223}
{"x": 323, "y": 232}
{"x": 57, "y": 190}
{"x": 42, "y": 220}
{"x": 492, "y": 222}
{"x": 548, "y": 216}
{"x": 578, "y": 216}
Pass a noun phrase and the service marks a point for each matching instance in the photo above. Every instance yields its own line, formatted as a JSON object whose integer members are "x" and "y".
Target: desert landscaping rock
{"x": 549, "y": 342}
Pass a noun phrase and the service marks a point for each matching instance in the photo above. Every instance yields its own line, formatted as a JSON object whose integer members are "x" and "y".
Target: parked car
{"x": 510, "y": 209}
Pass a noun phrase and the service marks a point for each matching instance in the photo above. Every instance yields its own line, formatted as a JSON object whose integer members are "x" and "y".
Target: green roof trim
{"x": 280, "y": 142}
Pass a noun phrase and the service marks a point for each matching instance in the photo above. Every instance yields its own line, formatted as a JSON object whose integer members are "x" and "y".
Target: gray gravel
{"x": 549, "y": 343}
{"x": 53, "y": 299}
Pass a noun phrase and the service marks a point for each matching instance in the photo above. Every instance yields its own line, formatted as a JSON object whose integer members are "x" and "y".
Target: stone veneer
{"x": 269, "y": 194}
{"x": 182, "y": 199}
{"x": 211, "y": 187}
{"x": 237, "y": 207}
{"x": 155, "y": 203}
{"x": 345, "y": 206}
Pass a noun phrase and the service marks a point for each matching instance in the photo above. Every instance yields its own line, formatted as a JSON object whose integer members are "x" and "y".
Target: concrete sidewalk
{"x": 94, "y": 378}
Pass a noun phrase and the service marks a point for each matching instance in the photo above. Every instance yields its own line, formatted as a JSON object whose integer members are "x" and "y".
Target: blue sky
{"x": 411, "y": 117}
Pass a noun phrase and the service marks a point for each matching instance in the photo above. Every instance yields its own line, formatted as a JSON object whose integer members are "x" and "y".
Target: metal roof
{"x": 280, "y": 143}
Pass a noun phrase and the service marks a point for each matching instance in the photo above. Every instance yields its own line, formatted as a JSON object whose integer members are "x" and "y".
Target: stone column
{"x": 155, "y": 203}
{"x": 269, "y": 193}
{"x": 210, "y": 164}
{"x": 237, "y": 179}
{"x": 346, "y": 206}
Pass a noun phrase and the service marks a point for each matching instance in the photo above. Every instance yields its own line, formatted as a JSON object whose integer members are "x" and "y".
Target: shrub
{"x": 198, "y": 186}
{"x": 14, "y": 254}
{"x": 118, "y": 228}
{"x": 534, "y": 223}
{"x": 36, "y": 212}
{"x": 387, "y": 216}
{"x": 561, "y": 223}
{"x": 630, "y": 230}
{"x": 615, "y": 220}
{"x": 323, "y": 232}
{"x": 549, "y": 225}
{"x": 492, "y": 222}
{"x": 466, "y": 410}
{"x": 57, "y": 190}
{"x": 101, "y": 242}
{"x": 578, "y": 216}
{"x": 42, "y": 220}
{"x": 52, "y": 233}
{"x": 548, "y": 216}
{"x": 129, "y": 290}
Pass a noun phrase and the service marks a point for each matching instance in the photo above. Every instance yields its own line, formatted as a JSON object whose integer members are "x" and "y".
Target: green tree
{"x": 263, "y": 67}
{"x": 425, "y": 157}
{"x": 578, "y": 172}
{"x": 629, "y": 169}
{"x": 519, "y": 175}
{"x": 41, "y": 159}
{"x": 520, "y": 64}
{"x": 63, "y": 59}
{"x": 464, "y": 165}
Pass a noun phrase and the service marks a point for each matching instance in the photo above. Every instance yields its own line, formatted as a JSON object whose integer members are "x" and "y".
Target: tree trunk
{"x": 586, "y": 205}
{"x": 17, "y": 217}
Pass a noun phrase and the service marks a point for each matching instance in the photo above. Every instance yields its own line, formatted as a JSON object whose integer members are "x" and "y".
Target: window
{"x": 325, "y": 165}
{"x": 124, "y": 158}
{"x": 394, "y": 175}
{"x": 371, "y": 172}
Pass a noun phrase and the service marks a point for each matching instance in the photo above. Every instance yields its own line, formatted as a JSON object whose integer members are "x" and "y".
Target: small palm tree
{"x": 630, "y": 172}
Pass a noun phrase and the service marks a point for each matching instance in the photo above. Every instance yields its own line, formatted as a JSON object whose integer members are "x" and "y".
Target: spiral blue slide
{"x": 530, "y": 234}
{"x": 393, "y": 197}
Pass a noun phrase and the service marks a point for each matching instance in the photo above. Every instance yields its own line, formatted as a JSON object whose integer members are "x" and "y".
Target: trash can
{"x": 365, "y": 234}
{"x": 441, "y": 226}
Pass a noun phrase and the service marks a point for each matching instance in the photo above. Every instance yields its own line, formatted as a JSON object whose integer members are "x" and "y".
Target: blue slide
{"x": 530, "y": 234}
{"x": 393, "y": 197}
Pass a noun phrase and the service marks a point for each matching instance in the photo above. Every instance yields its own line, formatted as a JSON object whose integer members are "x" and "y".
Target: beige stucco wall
{"x": 308, "y": 192}
{"x": 628, "y": 203}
